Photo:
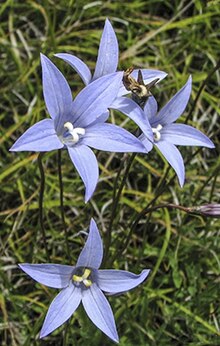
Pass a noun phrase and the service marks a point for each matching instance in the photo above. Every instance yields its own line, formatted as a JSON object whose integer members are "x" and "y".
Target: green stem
{"x": 41, "y": 199}
{"x": 163, "y": 249}
{"x": 116, "y": 198}
{"x": 161, "y": 187}
{"x": 61, "y": 204}
{"x": 144, "y": 212}
{"x": 65, "y": 338}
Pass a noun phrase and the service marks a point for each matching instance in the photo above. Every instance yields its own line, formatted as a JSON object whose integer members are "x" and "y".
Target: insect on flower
{"x": 160, "y": 130}
{"x": 107, "y": 62}
{"x": 77, "y": 125}
{"x": 140, "y": 91}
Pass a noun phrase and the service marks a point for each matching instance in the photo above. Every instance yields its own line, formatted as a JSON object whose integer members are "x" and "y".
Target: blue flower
{"x": 83, "y": 283}
{"x": 160, "y": 130}
{"x": 76, "y": 125}
{"x": 107, "y": 61}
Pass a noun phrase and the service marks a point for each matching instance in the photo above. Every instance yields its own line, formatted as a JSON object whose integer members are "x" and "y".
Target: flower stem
{"x": 163, "y": 249}
{"x": 61, "y": 204}
{"x": 144, "y": 212}
{"x": 65, "y": 338}
{"x": 41, "y": 199}
{"x": 116, "y": 198}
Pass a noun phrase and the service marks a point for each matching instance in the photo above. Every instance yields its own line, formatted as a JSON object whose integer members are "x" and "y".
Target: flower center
{"x": 156, "y": 132}
{"x": 83, "y": 278}
{"x": 72, "y": 134}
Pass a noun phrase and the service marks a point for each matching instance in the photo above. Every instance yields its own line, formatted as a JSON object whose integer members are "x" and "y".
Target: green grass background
{"x": 179, "y": 303}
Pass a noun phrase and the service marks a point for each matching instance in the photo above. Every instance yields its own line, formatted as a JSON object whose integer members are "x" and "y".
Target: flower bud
{"x": 212, "y": 210}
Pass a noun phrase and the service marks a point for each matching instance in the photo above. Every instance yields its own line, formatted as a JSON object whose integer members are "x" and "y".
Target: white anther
{"x": 68, "y": 126}
{"x": 156, "y": 132}
{"x": 74, "y": 132}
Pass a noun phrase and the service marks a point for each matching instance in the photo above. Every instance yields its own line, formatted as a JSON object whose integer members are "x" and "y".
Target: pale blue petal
{"x": 107, "y": 60}
{"x": 99, "y": 311}
{"x": 95, "y": 98}
{"x": 113, "y": 138}
{"x": 145, "y": 141}
{"x": 181, "y": 134}
{"x": 150, "y": 108}
{"x": 101, "y": 119}
{"x": 78, "y": 65}
{"x": 92, "y": 253}
{"x": 61, "y": 308}
{"x": 175, "y": 107}
{"x": 116, "y": 281}
{"x": 57, "y": 93}
{"x": 51, "y": 275}
{"x": 39, "y": 137}
{"x": 134, "y": 112}
{"x": 86, "y": 164}
{"x": 148, "y": 76}
{"x": 173, "y": 156}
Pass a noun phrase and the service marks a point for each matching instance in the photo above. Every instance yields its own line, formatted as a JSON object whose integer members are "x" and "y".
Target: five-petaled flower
{"x": 107, "y": 62}
{"x": 79, "y": 124}
{"x": 159, "y": 129}
{"x": 83, "y": 283}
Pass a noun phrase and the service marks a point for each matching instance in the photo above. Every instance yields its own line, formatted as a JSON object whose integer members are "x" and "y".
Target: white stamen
{"x": 68, "y": 126}
{"x": 156, "y": 132}
{"x": 74, "y": 132}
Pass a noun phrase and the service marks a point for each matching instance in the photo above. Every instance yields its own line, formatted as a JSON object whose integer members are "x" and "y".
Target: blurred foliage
{"x": 179, "y": 303}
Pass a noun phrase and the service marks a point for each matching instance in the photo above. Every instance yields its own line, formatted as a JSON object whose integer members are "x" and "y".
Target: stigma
{"x": 73, "y": 132}
{"x": 156, "y": 132}
{"x": 84, "y": 278}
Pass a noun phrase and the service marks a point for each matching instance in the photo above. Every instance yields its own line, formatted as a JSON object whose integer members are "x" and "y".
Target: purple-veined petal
{"x": 134, "y": 112}
{"x": 148, "y": 76}
{"x": 61, "y": 308}
{"x": 51, "y": 275}
{"x": 57, "y": 93}
{"x": 78, "y": 65}
{"x": 107, "y": 60}
{"x": 39, "y": 137}
{"x": 173, "y": 156}
{"x": 116, "y": 281}
{"x": 92, "y": 252}
{"x": 181, "y": 134}
{"x": 86, "y": 164}
{"x": 99, "y": 311}
{"x": 150, "y": 108}
{"x": 175, "y": 107}
{"x": 110, "y": 137}
{"x": 211, "y": 209}
{"x": 95, "y": 98}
